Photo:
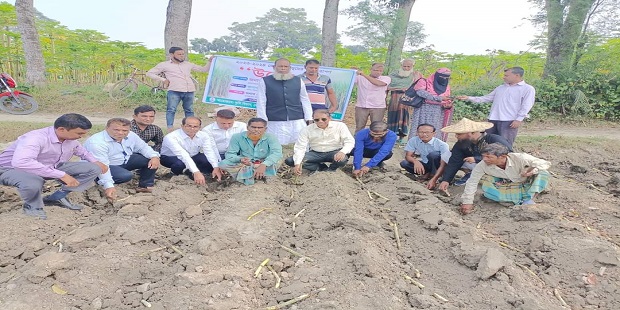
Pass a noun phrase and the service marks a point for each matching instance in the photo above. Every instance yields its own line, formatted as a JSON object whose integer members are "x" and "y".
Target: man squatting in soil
{"x": 44, "y": 154}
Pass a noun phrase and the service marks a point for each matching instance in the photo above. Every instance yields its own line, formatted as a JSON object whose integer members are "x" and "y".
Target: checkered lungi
{"x": 245, "y": 174}
{"x": 503, "y": 190}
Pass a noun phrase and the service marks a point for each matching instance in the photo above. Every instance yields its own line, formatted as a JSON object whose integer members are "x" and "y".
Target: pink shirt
{"x": 369, "y": 95}
{"x": 39, "y": 152}
{"x": 179, "y": 74}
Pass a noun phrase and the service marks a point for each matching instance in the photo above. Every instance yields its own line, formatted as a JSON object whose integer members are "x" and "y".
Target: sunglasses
{"x": 378, "y": 134}
{"x": 323, "y": 119}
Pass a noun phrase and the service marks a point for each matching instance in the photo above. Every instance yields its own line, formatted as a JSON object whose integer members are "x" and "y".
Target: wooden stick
{"x": 146, "y": 303}
{"x": 297, "y": 253}
{"x": 414, "y": 282}
{"x": 556, "y": 292}
{"x": 257, "y": 212}
{"x": 369, "y": 195}
{"x": 175, "y": 248}
{"x": 275, "y": 274}
{"x": 260, "y": 267}
{"x": 293, "y": 301}
{"x": 125, "y": 198}
{"x": 381, "y": 196}
{"x": 396, "y": 235}
{"x": 417, "y": 273}
{"x": 509, "y": 247}
{"x": 439, "y": 297}
{"x": 359, "y": 181}
{"x": 203, "y": 201}
{"x": 153, "y": 250}
{"x": 59, "y": 247}
{"x": 530, "y": 271}
{"x": 602, "y": 172}
{"x": 299, "y": 213}
{"x": 64, "y": 236}
{"x": 598, "y": 189}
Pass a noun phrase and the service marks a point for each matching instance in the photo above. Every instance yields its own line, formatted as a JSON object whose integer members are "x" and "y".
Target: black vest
{"x": 283, "y": 103}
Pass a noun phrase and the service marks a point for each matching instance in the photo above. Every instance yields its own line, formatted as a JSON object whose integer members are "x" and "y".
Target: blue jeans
{"x": 122, "y": 173}
{"x": 173, "y": 98}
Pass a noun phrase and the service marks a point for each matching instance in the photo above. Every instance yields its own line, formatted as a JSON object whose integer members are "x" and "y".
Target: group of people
{"x": 290, "y": 109}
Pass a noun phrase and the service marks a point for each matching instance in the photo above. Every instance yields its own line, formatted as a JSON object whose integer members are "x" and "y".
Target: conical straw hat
{"x": 466, "y": 125}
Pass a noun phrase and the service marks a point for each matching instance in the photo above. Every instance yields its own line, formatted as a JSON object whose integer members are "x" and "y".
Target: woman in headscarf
{"x": 398, "y": 114}
{"x": 437, "y": 109}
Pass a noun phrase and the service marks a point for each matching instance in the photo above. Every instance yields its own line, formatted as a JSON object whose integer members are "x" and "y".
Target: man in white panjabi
{"x": 283, "y": 101}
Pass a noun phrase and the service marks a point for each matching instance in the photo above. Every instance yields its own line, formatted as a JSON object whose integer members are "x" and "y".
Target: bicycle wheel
{"x": 123, "y": 89}
{"x": 23, "y": 105}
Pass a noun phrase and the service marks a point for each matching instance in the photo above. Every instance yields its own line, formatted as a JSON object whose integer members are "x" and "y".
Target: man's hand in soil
{"x": 199, "y": 178}
{"x": 418, "y": 168}
{"x": 259, "y": 172}
{"x": 102, "y": 166}
{"x": 110, "y": 193}
{"x": 246, "y": 161}
{"x": 432, "y": 183}
{"x": 444, "y": 186}
{"x": 361, "y": 172}
{"x": 339, "y": 156}
{"x": 217, "y": 174}
{"x": 69, "y": 181}
{"x": 154, "y": 163}
{"x": 297, "y": 169}
{"x": 466, "y": 208}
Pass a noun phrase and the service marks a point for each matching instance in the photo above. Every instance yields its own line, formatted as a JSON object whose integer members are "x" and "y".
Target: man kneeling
{"x": 506, "y": 177}
{"x": 253, "y": 154}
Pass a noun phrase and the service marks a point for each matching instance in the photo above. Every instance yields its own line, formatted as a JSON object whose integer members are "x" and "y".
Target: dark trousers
{"x": 368, "y": 153}
{"x": 313, "y": 160}
{"x": 177, "y": 166}
{"x": 431, "y": 166}
{"x": 122, "y": 173}
{"x": 503, "y": 129}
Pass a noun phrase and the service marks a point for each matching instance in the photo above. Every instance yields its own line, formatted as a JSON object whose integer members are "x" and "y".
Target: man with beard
{"x": 252, "y": 155}
{"x": 142, "y": 125}
{"x": 471, "y": 139}
{"x": 323, "y": 142}
{"x": 398, "y": 114}
{"x": 376, "y": 143}
{"x": 178, "y": 80}
{"x": 371, "y": 91}
{"x": 511, "y": 103}
{"x": 283, "y": 102}
{"x": 318, "y": 87}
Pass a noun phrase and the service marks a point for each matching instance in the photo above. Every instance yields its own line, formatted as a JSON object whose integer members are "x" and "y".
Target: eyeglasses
{"x": 191, "y": 127}
{"x": 378, "y": 134}
{"x": 425, "y": 132}
{"x": 322, "y": 119}
{"x": 254, "y": 127}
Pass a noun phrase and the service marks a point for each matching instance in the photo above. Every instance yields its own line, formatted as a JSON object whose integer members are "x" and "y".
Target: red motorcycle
{"x": 14, "y": 101}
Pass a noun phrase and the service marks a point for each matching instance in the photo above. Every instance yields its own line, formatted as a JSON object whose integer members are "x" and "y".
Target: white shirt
{"x": 335, "y": 137}
{"x": 261, "y": 102}
{"x": 113, "y": 153}
{"x": 222, "y": 136}
{"x": 510, "y": 102}
{"x": 179, "y": 144}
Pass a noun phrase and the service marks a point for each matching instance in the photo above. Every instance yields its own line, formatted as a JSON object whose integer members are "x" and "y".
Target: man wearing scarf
{"x": 253, "y": 154}
{"x": 398, "y": 114}
{"x": 437, "y": 109}
{"x": 283, "y": 101}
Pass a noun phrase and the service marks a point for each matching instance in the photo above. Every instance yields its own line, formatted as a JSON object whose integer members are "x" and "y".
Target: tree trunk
{"x": 330, "y": 33}
{"x": 35, "y": 66}
{"x": 564, "y": 32}
{"x": 177, "y": 24}
{"x": 398, "y": 35}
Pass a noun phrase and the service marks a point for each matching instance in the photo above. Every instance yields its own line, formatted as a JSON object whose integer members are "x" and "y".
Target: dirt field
{"x": 191, "y": 247}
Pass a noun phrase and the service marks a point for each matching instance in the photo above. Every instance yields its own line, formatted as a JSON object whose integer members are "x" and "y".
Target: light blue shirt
{"x": 113, "y": 153}
{"x": 418, "y": 147}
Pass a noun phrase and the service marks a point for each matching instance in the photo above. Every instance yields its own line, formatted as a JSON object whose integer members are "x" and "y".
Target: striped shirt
{"x": 317, "y": 90}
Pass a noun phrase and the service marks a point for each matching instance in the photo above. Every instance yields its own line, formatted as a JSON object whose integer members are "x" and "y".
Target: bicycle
{"x": 126, "y": 88}
{"x": 14, "y": 101}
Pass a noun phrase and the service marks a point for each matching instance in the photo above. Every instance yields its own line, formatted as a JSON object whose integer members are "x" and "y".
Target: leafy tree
{"x": 177, "y": 23}
{"x": 279, "y": 28}
{"x": 224, "y": 44}
{"x": 399, "y": 31}
{"x": 330, "y": 34}
{"x": 376, "y": 24}
{"x": 35, "y": 65}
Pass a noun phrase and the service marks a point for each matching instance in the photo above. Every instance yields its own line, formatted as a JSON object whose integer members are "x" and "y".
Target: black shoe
{"x": 189, "y": 174}
{"x": 65, "y": 203}
{"x": 323, "y": 167}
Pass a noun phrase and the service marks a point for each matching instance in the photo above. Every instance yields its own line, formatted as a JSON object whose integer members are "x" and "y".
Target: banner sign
{"x": 234, "y": 82}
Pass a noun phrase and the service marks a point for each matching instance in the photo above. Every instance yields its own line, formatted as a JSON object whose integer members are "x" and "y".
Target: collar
{"x": 329, "y": 125}
{"x": 306, "y": 76}
{"x": 235, "y": 125}
{"x": 108, "y": 138}
{"x": 431, "y": 141}
{"x": 52, "y": 135}
{"x": 520, "y": 83}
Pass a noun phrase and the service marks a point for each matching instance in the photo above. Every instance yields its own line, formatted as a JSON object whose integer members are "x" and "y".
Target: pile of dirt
{"x": 191, "y": 247}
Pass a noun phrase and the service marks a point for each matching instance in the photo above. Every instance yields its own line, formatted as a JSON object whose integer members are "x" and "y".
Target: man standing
{"x": 181, "y": 150}
{"x": 179, "y": 82}
{"x": 223, "y": 128}
{"x": 123, "y": 151}
{"x": 318, "y": 87}
{"x": 283, "y": 102}
{"x": 326, "y": 142}
{"x": 471, "y": 138}
{"x": 506, "y": 177}
{"x": 375, "y": 143}
{"x": 253, "y": 154}
{"x": 142, "y": 125}
{"x": 512, "y": 101}
{"x": 426, "y": 155}
{"x": 371, "y": 93}
{"x": 44, "y": 154}
{"x": 398, "y": 114}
